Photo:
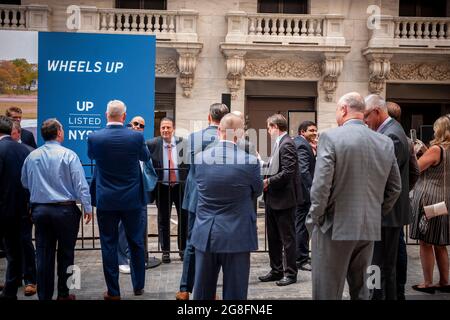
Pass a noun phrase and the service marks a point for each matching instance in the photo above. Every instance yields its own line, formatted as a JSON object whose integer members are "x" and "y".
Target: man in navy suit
{"x": 120, "y": 195}
{"x": 224, "y": 231}
{"x": 13, "y": 205}
{"x": 15, "y": 114}
{"x": 198, "y": 142}
{"x": 307, "y": 133}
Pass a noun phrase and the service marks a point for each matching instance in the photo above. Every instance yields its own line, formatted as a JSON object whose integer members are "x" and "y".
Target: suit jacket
{"x": 117, "y": 152}
{"x": 400, "y": 214}
{"x": 13, "y": 196}
{"x": 228, "y": 179}
{"x": 307, "y": 164}
{"x": 356, "y": 180}
{"x": 198, "y": 141}
{"x": 156, "y": 151}
{"x": 28, "y": 138}
{"x": 284, "y": 189}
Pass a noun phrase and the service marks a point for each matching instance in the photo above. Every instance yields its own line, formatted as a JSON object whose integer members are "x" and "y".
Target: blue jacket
{"x": 198, "y": 142}
{"x": 228, "y": 179}
{"x": 117, "y": 152}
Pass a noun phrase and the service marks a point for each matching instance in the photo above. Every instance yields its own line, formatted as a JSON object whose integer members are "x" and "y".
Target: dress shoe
{"x": 124, "y": 268}
{"x": 270, "y": 277}
{"x": 306, "y": 266}
{"x": 286, "y": 281}
{"x": 445, "y": 289}
{"x": 69, "y": 297}
{"x": 29, "y": 290}
{"x": 182, "y": 295}
{"x": 138, "y": 292}
{"x": 107, "y": 297}
{"x": 165, "y": 257}
{"x": 430, "y": 290}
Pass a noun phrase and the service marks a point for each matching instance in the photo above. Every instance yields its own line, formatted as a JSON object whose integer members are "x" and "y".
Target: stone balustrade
{"x": 285, "y": 29}
{"x": 28, "y": 17}
{"x": 411, "y": 32}
{"x": 169, "y": 25}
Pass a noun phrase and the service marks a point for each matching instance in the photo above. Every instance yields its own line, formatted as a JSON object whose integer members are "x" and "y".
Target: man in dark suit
{"x": 198, "y": 141}
{"x": 385, "y": 251}
{"x": 167, "y": 152}
{"x": 13, "y": 205}
{"x": 307, "y": 133}
{"x": 282, "y": 194}
{"x": 224, "y": 232}
{"x": 120, "y": 195}
{"x": 26, "y": 136}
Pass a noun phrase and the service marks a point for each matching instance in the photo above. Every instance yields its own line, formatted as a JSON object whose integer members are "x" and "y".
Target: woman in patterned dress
{"x": 433, "y": 187}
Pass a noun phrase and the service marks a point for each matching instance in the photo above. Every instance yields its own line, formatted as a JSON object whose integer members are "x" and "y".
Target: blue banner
{"x": 79, "y": 73}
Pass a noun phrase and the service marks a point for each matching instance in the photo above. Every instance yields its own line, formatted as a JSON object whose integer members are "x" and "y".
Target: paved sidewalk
{"x": 162, "y": 282}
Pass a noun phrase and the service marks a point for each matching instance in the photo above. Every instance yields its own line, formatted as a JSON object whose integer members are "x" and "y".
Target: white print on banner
{"x": 84, "y": 66}
{"x": 83, "y": 123}
{"x": 374, "y": 279}
{"x": 373, "y": 21}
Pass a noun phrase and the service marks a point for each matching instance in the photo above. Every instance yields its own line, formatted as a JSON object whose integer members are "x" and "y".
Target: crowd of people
{"x": 335, "y": 206}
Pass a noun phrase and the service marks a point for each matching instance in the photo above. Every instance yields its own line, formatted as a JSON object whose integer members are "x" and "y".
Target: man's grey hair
{"x": 116, "y": 108}
{"x": 353, "y": 100}
{"x": 374, "y": 101}
{"x": 231, "y": 121}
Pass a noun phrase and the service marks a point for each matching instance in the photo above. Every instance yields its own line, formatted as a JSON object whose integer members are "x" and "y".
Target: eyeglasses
{"x": 140, "y": 125}
{"x": 366, "y": 115}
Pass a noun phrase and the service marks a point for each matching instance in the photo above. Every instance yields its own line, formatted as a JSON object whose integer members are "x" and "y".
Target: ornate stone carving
{"x": 166, "y": 66}
{"x": 379, "y": 68}
{"x": 187, "y": 62}
{"x": 331, "y": 69}
{"x": 420, "y": 71}
{"x": 279, "y": 68}
{"x": 235, "y": 67}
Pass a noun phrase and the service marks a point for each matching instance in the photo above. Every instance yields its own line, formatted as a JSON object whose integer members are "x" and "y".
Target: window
{"x": 283, "y": 6}
{"x": 142, "y": 4}
{"x": 424, "y": 8}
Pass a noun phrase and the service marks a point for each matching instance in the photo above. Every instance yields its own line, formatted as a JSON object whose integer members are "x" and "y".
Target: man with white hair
{"x": 119, "y": 195}
{"x": 356, "y": 179}
{"x": 385, "y": 251}
{"x": 224, "y": 231}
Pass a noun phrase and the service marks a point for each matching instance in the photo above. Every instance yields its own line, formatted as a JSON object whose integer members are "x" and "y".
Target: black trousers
{"x": 28, "y": 251}
{"x": 166, "y": 196}
{"x": 54, "y": 226}
{"x": 10, "y": 233}
{"x": 281, "y": 238}
{"x": 402, "y": 266}
{"x": 385, "y": 256}
{"x": 301, "y": 233}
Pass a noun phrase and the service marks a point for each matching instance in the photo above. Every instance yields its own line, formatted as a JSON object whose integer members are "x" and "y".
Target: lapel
{"x": 387, "y": 126}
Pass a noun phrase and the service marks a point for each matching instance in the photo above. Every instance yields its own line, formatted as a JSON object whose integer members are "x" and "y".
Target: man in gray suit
{"x": 385, "y": 251}
{"x": 356, "y": 179}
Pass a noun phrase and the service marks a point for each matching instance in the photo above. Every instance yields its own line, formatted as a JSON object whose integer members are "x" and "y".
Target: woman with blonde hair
{"x": 431, "y": 188}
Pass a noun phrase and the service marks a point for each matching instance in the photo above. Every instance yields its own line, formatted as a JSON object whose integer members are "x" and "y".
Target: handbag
{"x": 436, "y": 209}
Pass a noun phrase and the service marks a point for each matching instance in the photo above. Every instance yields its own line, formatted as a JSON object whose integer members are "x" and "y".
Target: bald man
{"x": 224, "y": 232}
{"x": 346, "y": 224}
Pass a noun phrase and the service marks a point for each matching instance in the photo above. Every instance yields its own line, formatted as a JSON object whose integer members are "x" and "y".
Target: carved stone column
{"x": 379, "y": 69}
{"x": 187, "y": 62}
{"x": 235, "y": 69}
{"x": 331, "y": 69}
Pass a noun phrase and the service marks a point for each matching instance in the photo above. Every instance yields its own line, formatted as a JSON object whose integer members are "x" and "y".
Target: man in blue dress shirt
{"x": 55, "y": 178}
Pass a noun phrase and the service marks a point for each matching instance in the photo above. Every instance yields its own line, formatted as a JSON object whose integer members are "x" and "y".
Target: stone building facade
{"x": 295, "y": 63}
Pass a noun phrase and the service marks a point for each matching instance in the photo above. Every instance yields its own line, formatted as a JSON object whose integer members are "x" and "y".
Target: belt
{"x": 56, "y": 204}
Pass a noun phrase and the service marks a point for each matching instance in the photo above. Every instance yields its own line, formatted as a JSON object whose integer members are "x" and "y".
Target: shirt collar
{"x": 172, "y": 142}
{"x": 280, "y": 137}
{"x": 353, "y": 121}
{"x": 6, "y": 135}
{"x": 385, "y": 122}
{"x": 52, "y": 142}
{"x": 114, "y": 123}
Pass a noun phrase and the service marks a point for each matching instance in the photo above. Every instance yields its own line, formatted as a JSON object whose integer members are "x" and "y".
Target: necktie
{"x": 172, "y": 173}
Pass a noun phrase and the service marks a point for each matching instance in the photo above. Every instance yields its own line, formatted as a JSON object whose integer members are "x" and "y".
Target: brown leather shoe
{"x": 182, "y": 295}
{"x": 69, "y": 297}
{"x": 29, "y": 290}
{"x": 107, "y": 297}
